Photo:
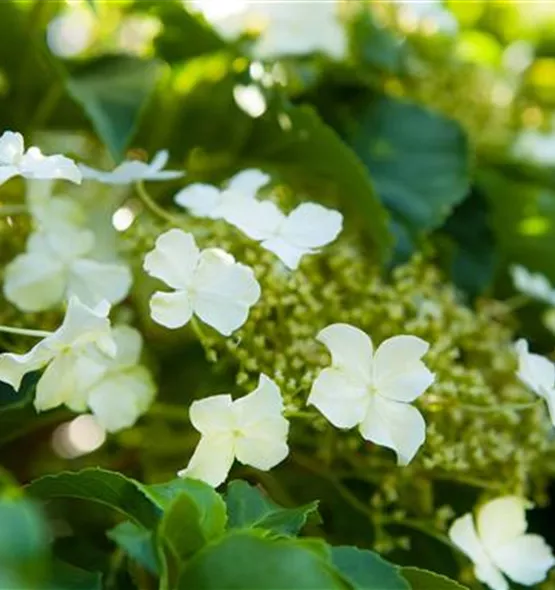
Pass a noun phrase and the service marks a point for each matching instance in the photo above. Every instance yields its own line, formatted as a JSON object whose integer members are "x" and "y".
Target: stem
{"x": 417, "y": 525}
{"x": 299, "y": 414}
{"x": 153, "y": 207}
{"x": 518, "y": 301}
{"x": 7, "y": 210}
{"x": 25, "y": 332}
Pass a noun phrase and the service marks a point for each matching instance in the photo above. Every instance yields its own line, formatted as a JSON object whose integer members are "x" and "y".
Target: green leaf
{"x": 64, "y": 576}
{"x": 248, "y": 507}
{"x": 113, "y": 90}
{"x": 424, "y": 580}
{"x": 366, "y": 570}
{"x": 24, "y": 545}
{"x": 248, "y": 560}
{"x": 137, "y": 542}
{"x": 122, "y": 494}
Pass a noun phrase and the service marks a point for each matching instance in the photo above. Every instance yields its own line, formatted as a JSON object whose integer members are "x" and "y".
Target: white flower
{"x": 290, "y": 237}
{"x": 133, "y": 171}
{"x": 205, "y": 200}
{"x": 123, "y": 390}
{"x": 68, "y": 371}
{"x": 286, "y": 28}
{"x": 59, "y": 264}
{"x": 209, "y": 284}
{"x": 373, "y": 390}
{"x": 497, "y": 544}
{"x": 533, "y": 284}
{"x": 15, "y": 161}
{"x": 250, "y": 429}
{"x": 537, "y": 373}
{"x": 535, "y": 146}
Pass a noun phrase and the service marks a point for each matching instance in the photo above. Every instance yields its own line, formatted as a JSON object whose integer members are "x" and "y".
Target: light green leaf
{"x": 137, "y": 542}
{"x": 248, "y": 507}
{"x": 248, "y": 560}
{"x": 366, "y": 570}
{"x": 113, "y": 90}
{"x": 424, "y": 580}
{"x": 124, "y": 495}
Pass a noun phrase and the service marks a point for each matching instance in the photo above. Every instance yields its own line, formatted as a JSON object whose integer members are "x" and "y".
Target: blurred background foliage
{"x": 435, "y": 134}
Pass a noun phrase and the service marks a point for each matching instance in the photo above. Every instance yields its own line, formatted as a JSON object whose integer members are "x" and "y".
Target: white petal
{"x": 38, "y": 166}
{"x": 11, "y": 148}
{"x": 66, "y": 244}
{"x": 211, "y": 460}
{"x": 159, "y": 160}
{"x": 311, "y": 226}
{"x": 259, "y": 220}
{"x": 172, "y": 310}
{"x": 7, "y": 172}
{"x": 394, "y": 425}
{"x": 351, "y": 350}
{"x": 129, "y": 344}
{"x": 535, "y": 371}
{"x": 57, "y": 384}
{"x": 213, "y": 415}
{"x": 174, "y": 258}
{"x": 549, "y": 397}
{"x": 93, "y": 281}
{"x": 463, "y": 534}
{"x": 200, "y": 199}
{"x": 35, "y": 281}
{"x": 263, "y": 453}
{"x": 121, "y": 398}
{"x": 526, "y": 559}
{"x": 343, "y": 402}
{"x": 224, "y": 291}
{"x": 248, "y": 182}
{"x": 289, "y": 254}
{"x": 501, "y": 520}
{"x": 398, "y": 372}
{"x": 14, "y": 366}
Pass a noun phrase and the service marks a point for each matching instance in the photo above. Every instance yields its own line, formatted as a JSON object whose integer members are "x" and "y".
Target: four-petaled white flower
{"x": 209, "y": 284}
{"x": 15, "y": 161}
{"x": 286, "y": 28}
{"x": 532, "y": 284}
{"x": 205, "y": 200}
{"x": 305, "y": 230}
{"x": 132, "y": 171}
{"x": 373, "y": 390}
{"x": 537, "y": 373}
{"x": 62, "y": 352}
{"x": 59, "y": 264}
{"x": 119, "y": 390}
{"x": 251, "y": 429}
{"x": 498, "y": 544}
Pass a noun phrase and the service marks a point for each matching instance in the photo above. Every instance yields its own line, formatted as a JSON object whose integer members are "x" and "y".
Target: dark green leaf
{"x": 366, "y": 570}
{"x": 137, "y": 542}
{"x": 113, "y": 90}
{"x": 248, "y": 507}
{"x": 65, "y": 576}
{"x": 424, "y": 580}
{"x": 122, "y": 494}
{"x": 248, "y": 560}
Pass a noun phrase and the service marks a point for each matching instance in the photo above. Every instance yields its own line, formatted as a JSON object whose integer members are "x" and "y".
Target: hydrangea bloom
{"x": 59, "y": 264}
{"x": 533, "y": 284}
{"x": 205, "y": 200}
{"x": 373, "y": 390}
{"x": 286, "y": 28}
{"x": 132, "y": 171}
{"x": 251, "y": 429}
{"x": 209, "y": 284}
{"x": 15, "y": 161}
{"x": 290, "y": 237}
{"x": 62, "y": 352}
{"x": 497, "y": 543}
{"x": 537, "y": 373}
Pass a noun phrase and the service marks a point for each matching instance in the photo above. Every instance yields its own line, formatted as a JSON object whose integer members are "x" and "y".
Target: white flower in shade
{"x": 59, "y": 264}
{"x": 68, "y": 370}
{"x": 132, "y": 171}
{"x": 532, "y": 284}
{"x": 304, "y": 231}
{"x": 535, "y": 146}
{"x": 205, "y": 200}
{"x": 537, "y": 373}
{"x": 251, "y": 429}
{"x": 373, "y": 390}
{"x": 497, "y": 543}
{"x": 286, "y": 28}
{"x": 15, "y": 161}
{"x": 209, "y": 284}
{"x": 123, "y": 389}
